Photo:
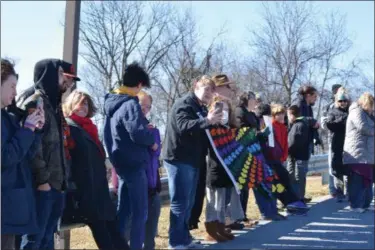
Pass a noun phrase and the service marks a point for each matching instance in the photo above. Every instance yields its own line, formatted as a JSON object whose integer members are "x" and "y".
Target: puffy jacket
{"x": 359, "y": 138}
{"x": 18, "y": 147}
{"x": 126, "y": 136}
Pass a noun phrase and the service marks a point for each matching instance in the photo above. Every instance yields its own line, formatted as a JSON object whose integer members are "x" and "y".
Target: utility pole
{"x": 70, "y": 54}
{"x": 71, "y": 35}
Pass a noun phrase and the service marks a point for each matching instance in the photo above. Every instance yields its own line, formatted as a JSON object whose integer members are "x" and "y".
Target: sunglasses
{"x": 342, "y": 101}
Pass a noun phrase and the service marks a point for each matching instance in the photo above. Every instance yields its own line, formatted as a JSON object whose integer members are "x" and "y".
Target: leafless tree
{"x": 114, "y": 33}
{"x": 292, "y": 48}
{"x": 183, "y": 63}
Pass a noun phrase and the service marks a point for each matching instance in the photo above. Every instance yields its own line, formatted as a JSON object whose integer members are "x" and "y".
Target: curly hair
{"x": 7, "y": 69}
{"x": 77, "y": 97}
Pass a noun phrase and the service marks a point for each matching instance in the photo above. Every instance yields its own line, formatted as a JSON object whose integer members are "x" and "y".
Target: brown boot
{"x": 223, "y": 232}
{"x": 212, "y": 232}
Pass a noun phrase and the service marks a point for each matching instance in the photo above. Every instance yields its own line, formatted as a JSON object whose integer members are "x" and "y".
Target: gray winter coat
{"x": 359, "y": 138}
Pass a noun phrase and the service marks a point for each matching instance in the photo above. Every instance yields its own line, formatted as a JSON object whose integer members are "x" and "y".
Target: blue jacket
{"x": 126, "y": 135}
{"x": 18, "y": 146}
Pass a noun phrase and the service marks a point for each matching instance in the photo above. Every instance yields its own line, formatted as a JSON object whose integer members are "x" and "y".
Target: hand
{"x": 44, "y": 187}
{"x": 42, "y": 118}
{"x": 32, "y": 121}
{"x": 150, "y": 126}
{"x": 266, "y": 131}
{"x": 155, "y": 147}
{"x": 214, "y": 117}
{"x": 317, "y": 125}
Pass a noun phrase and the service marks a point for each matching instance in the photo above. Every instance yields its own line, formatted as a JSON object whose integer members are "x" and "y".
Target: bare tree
{"x": 291, "y": 48}
{"x": 114, "y": 33}
{"x": 183, "y": 63}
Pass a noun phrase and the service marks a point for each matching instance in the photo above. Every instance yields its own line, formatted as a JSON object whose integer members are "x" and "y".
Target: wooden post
{"x": 71, "y": 35}
{"x": 70, "y": 54}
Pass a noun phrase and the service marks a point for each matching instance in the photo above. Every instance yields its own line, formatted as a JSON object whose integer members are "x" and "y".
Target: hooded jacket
{"x": 49, "y": 164}
{"x": 359, "y": 137}
{"x": 336, "y": 123}
{"x": 126, "y": 135}
{"x": 298, "y": 140}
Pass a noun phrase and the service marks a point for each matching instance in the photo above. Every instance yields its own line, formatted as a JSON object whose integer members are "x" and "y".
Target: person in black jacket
{"x": 182, "y": 151}
{"x": 323, "y": 119}
{"x": 336, "y": 123}
{"x": 306, "y": 99}
{"x": 89, "y": 173}
{"x": 19, "y": 140}
{"x": 299, "y": 150}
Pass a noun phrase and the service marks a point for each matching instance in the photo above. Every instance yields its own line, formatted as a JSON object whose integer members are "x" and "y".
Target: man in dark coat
{"x": 326, "y": 110}
{"x": 182, "y": 153}
{"x": 50, "y": 164}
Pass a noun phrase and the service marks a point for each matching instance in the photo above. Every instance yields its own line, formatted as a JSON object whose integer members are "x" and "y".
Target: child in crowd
{"x": 218, "y": 184}
{"x": 299, "y": 151}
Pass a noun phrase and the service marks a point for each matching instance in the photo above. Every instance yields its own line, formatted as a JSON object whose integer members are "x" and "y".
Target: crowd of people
{"x": 53, "y": 162}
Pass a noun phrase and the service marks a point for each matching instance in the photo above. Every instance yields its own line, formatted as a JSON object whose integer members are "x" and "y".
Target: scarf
{"x": 67, "y": 139}
{"x": 87, "y": 124}
{"x": 123, "y": 90}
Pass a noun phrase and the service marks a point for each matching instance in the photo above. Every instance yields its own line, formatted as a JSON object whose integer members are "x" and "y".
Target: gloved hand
{"x": 266, "y": 132}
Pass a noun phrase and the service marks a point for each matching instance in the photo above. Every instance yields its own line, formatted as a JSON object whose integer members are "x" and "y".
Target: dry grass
{"x": 82, "y": 239}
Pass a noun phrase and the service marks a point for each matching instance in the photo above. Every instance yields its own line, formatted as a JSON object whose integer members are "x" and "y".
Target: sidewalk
{"x": 328, "y": 225}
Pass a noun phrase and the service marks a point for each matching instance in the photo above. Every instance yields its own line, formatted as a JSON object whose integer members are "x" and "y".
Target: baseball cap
{"x": 69, "y": 70}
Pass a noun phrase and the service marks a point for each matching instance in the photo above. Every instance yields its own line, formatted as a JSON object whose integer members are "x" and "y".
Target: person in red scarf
{"x": 89, "y": 173}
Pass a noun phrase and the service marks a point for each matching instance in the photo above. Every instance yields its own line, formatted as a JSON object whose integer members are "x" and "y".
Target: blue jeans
{"x": 360, "y": 196}
{"x": 331, "y": 180}
{"x": 152, "y": 222}
{"x": 267, "y": 207}
{"x": 297, "y": 172}
{"x": 133, "y": 205}
{"x": 182, "y": 182}
{"x": 49, "y": 208}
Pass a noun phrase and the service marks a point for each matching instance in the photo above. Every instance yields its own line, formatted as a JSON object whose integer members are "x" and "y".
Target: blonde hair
{"x": 143, "y": 94}
{"x": 75, "y": 98}
{"x": 366, "y": 101}
{"x": 277, "y": 109}
{"x": 205, "y": 80}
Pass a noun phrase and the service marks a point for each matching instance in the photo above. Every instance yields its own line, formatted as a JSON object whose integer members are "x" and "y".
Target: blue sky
{"x": 31, "y": 31}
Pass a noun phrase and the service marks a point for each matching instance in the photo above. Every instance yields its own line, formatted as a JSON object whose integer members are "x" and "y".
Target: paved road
{"x": 328, "y": 225}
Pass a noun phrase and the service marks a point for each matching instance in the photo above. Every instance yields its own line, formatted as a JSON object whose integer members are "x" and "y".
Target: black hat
{"x": 335, "y": 87}
{"x": 69, "y": 70}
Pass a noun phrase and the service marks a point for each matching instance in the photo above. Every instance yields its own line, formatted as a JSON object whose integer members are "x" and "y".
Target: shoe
{"x": 193, "y": 227}
{"x": 236, "y": 226}
{"x": 212, "y": 232}
{"x": 179, "y": 247}
{"x": 223, "y": 232}
{"x": 306, "y": 200}
{"x": 358, "y": 210}
{"x": 277, "y": 217}
{"x": 195, "y": 245}
{"x": 281, "y": 217}
{"x": 251, "y": 223}
{"x": 298, "y": 205}
{"x": 340, "y": 198}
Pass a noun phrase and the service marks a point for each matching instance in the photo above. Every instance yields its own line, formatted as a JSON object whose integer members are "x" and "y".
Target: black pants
{"x": 107, "y": 235}
{"x": 288, "y": 196}
{"x": 244, "y": 197}
{"x": 199, "y": 196}
{"x": 8, "y": 241}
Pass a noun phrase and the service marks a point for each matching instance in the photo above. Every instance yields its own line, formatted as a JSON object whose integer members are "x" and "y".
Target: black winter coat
{"x": 336, "y": 123}
{"x": 90, "y": 176}
{"x": 185, "y": 140}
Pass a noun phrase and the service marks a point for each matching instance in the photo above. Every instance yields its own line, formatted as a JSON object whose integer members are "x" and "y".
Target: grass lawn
{"x": 81, "y": 238}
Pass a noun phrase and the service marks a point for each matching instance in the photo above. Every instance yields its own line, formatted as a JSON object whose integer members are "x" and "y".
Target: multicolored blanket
{"x": 239, "y": 152}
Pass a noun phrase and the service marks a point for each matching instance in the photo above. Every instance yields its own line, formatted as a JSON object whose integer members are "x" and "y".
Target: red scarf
{"x": 281, "y": 136}
{"x": 90, "y": 128}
